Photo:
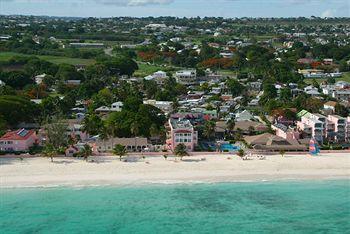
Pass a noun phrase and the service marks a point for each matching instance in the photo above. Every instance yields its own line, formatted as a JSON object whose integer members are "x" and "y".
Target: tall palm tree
{"x": 120, "y": 151}
{"x": 86, "y": 152}
{"x": 231, "y": 126}
{"x": 103, "y": 135}
{"x": 181, "y": 150}
{"x": 135, "y": 128}
{"x": 112, "y": 130}
{"x": 209, "y": 129}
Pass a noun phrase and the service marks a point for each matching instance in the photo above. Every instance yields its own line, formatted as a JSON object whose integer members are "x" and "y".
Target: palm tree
{"x": 103, "y": 135}
{"x": 181, "y": 150}
{"x": 209, "y": 129}
{"x": 111, "y": 131}
{"x": 231, "y": 126}
{"x": 119, "y": 150}
{"x": 135, "y": 128}
{"x": 241, "y": 153}
{"x": 49, "y": 151}
{"x": 86, "y": 152}
{"x": 282, "y": 152}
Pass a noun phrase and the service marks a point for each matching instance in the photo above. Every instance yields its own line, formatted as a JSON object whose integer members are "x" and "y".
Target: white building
{"x": 186, "y": 77}
{"x": 159, "y": 77}
{"x": 115, "y": 107}
{"x": 39, "y": 78}
{"x": 165, "y": 106}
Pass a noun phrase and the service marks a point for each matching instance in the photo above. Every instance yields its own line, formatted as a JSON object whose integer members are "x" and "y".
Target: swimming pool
{"x": 229, "y": 147}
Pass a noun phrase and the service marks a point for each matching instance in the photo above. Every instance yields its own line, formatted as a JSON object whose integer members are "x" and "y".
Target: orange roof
{"x": 330, "y": 103}
{"x": 18, "y": 135}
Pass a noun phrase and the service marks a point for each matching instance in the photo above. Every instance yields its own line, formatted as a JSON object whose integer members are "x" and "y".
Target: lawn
{"x": 5, "y": 56}
{"x": 345, "y": 77}
{"x": 148, "y": 69}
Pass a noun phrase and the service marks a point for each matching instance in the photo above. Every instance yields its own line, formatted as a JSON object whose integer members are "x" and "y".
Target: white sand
{"x": 217, "y": 168}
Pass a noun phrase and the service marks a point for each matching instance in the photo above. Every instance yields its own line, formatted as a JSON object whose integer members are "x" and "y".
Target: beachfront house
{"x": 181, "y": 132}
{"x": 18, "y": 140}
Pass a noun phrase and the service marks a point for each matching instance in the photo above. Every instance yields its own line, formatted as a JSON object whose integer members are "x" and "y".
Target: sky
{"x": 179, "y": 8}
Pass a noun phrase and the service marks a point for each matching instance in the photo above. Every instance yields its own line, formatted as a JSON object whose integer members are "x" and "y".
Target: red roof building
{"x": 19, "y": 140}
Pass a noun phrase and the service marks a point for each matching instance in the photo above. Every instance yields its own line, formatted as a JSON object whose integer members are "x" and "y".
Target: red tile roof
{"x": 20, "y": 134}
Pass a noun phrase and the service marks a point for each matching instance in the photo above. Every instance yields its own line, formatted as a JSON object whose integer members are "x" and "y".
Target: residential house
{"x": 288, "y": 133}
{"x": 76, "y": 130}
{"x": 18, "y": 140}
{"x": 270, "y": 142}
{"x": 244, "y": 116}
{"x": 186, "y": 77}
{"x": 165, "y": 106}
{"x": 343, "y": 95}
{"x": 181, "y": 132}
{"x": 115, "y": 107}
{"x": 329, "y": 107}
{"x": 255, "y": 86}
{"x": 311, "y": 90}
{"x": 250, "y": 127}
{"x": 39, "y": 78}
{"x": 159, "y": 77}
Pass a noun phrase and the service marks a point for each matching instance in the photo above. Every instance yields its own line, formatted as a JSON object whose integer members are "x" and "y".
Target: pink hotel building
{"x": 181, "y": 131}
{"x": 332, "y": 128}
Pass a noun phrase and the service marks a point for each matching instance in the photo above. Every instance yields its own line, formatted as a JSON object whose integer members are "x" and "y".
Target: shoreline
{"x": 109, "y": 171}
{"x": 174, "y": 183}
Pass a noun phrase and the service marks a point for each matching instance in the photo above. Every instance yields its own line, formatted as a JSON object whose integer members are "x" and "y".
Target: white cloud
{"x": 134, "y": 2}
{"x": 328, "y": 13}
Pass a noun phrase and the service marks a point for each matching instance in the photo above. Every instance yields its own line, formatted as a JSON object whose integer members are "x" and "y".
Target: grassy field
{"x": 5, "y": 56}
{"x": 148, "y": 69}
{"x": 345, "y": 77}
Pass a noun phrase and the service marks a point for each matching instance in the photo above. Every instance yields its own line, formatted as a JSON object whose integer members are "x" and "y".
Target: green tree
{"x": 55, "y": 129}
{"x": 231, "y": 126}
{"x": 92, "y": 124}
{"x": 120, "y": 151}
{"x": 49, "y": 151}
{"x": 282, "y": 152}
{"x": 235, "y": 87}
{"x": 241, "y": 153}
{"x": 86, "y": 152}
{"x": 181, "y": 150}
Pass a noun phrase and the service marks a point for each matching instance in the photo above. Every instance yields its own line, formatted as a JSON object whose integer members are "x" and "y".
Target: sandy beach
{"x": 37, "y": 172}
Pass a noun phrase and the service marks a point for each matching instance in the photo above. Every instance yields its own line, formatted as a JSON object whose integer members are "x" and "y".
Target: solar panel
{"x": 23, "y": 133}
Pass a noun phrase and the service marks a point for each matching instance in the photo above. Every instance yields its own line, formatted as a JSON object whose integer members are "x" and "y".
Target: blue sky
{"x": 188, "y": 8}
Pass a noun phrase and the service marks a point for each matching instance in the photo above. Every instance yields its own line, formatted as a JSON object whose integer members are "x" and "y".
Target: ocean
{"x": 251, "y": 207}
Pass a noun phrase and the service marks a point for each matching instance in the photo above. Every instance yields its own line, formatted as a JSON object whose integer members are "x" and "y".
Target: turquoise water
{"x": 278, "y": 207}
